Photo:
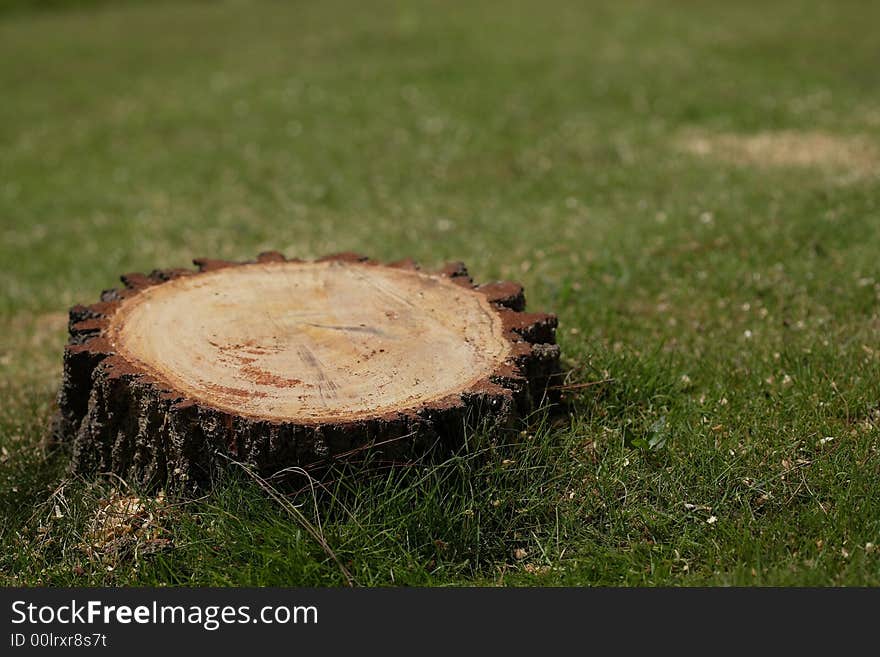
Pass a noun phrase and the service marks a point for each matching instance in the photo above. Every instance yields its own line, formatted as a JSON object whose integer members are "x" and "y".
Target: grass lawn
{"x": 693, "y": 187}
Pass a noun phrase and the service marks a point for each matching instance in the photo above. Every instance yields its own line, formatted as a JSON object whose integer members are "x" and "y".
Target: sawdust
{"x": 126, "y": 525}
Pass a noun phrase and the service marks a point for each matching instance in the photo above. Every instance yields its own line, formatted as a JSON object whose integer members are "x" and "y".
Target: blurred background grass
{"x": 692, "y": 187}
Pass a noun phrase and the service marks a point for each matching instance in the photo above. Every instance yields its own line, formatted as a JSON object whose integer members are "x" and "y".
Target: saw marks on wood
{"x": 317, "y": 341}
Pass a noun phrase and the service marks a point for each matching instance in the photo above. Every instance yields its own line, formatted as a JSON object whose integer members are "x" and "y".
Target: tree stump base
{"x": 279, "y": 363}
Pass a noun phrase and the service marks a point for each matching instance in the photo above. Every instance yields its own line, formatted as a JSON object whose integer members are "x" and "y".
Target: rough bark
{"x": 133, "y": 418}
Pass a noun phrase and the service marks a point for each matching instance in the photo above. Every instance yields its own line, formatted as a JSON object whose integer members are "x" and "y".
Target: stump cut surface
{"x": 312, "y": 342}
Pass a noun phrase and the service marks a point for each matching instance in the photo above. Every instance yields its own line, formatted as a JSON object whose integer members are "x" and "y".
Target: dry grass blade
{"x": 315, "y": 532}
{"x": 579, "y": 386}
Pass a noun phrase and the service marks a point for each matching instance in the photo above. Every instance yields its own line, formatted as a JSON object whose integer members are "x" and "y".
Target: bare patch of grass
{"x": 853, "y": 155}
{"x": 32, "y": 343}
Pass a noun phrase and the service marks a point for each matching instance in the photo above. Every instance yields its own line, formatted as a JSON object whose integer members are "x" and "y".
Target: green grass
{"x": 731, "y": 297}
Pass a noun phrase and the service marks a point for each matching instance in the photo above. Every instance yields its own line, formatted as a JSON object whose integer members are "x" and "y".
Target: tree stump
{"x": 279, "y": 363}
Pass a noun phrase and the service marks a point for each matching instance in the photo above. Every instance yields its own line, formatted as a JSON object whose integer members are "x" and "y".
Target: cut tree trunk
{"x": 278, "y": 363}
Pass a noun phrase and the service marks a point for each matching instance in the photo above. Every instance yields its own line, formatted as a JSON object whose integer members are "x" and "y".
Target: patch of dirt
{"x": 853, "y": 155}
